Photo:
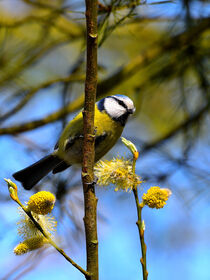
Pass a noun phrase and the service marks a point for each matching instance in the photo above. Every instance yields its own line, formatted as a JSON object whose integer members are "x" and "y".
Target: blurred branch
{"x": 32, "y": 264}
{"x": 67, "y": 86}
{"x": 196, "y": 117}
{"x": 43, "y": 121}
{"x": 175, "y": 42}
{"x": 44, "y": 5}
{"x": 105, "y": 29}
{"x": 5, "y": 77}
{"x": 33, "y": 91}
{"x": 124, "y": 73}
{"x": 117, "y": 6}
{"x": 41, "y": 46}
{"x": 162, "y": 2}
{"x": 30, "y": 144}
{"x": 146, "y": 19}
{"x": 68, "y": 30}
{"x": 32, "y": 261}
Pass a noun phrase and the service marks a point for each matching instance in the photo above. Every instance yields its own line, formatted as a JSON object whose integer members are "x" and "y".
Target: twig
{"x": 140, "y": 225}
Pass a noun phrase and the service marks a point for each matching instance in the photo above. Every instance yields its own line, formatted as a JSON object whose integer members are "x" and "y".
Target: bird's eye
{"x": 121, "y": 103}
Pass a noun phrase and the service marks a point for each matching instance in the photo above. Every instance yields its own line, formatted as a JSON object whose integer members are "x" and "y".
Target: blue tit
{"x": 111, "y": 114}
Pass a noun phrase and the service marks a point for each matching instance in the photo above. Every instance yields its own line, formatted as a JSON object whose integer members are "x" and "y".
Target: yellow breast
{"x": 107, "y": 133}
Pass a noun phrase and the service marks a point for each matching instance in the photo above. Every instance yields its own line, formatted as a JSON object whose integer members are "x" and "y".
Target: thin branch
{"x": 140, "y": 225}
{"x": 54, "y": 244}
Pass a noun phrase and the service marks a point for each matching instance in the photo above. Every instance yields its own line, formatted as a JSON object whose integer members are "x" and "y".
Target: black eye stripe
{"x": 120, "y": 102}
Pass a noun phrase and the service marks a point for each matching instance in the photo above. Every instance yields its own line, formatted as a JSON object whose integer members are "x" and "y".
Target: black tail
{"x": 32, "y": 174}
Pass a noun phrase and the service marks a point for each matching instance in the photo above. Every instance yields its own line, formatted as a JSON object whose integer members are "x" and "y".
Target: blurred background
{"x": 156, "y": 52}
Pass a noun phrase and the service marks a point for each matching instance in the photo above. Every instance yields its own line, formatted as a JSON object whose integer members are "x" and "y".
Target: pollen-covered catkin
{"x": 41, "y": 203}
{"x": 29, "y": 245}
{"x": 156, "y": 197}
{"x": 118, "y": 172}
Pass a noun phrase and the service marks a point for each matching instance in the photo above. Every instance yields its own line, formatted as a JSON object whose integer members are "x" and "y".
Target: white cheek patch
{"x": 113, "y": 108}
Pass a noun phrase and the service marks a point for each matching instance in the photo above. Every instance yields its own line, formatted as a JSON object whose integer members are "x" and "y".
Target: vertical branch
{"x": 90, "y": 200}
{"x": 140, "y": 225}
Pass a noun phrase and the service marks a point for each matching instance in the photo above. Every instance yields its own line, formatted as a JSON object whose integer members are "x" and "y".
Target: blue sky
{"x": 172, "y": 256}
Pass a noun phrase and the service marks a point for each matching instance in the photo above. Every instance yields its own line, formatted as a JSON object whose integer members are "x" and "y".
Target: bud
{"x": 10, "y": 183}
{"x": 131, "y": 147}
{"x": 143, "y": 225}
{"x": 12, "y": 189}
{"x": 41, "y": 203}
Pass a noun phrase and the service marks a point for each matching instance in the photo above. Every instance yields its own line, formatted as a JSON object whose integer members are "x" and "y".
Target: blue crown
{"x": 121, "y": 95}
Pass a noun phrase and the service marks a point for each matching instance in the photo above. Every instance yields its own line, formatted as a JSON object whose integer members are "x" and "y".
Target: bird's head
{"x": 118, "y": 107}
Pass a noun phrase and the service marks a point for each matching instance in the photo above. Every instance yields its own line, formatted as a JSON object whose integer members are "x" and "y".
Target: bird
{"x": 111, "y": 115}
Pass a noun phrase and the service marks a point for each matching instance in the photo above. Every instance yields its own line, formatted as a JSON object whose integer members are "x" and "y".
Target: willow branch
{"x": 46, "y": 235}
{"x": 90, "y": 200}
{"x": 13, "y": 194}
{"x": 140, "y": 225}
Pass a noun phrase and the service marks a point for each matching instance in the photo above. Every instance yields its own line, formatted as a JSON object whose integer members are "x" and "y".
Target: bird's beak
{"x": 131, "y": 111}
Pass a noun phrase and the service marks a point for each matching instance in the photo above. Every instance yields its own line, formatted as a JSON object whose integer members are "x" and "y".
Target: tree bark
{"x": 90, "y": 200}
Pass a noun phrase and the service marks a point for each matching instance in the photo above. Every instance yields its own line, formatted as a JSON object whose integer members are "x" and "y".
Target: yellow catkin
{"x": 29, "y": 245}
{"x": 156, "y": 197}
{"x": 118, "y": 172}
{"x": 27, "y": 229}
{"x": 41, "y": 203}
